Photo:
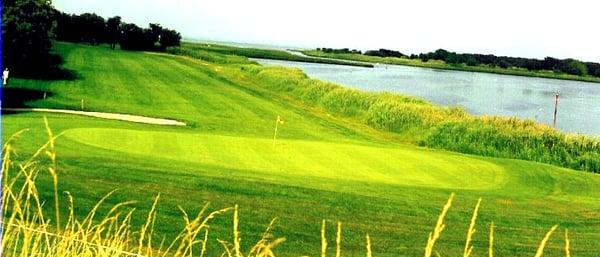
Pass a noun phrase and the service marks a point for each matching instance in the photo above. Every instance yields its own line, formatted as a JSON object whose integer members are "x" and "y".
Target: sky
{"x": 521, "y": 28}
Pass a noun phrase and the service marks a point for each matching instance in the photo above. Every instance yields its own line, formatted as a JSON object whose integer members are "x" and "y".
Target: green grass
{"x": 193, "y": 48}
{"x": 326, "y": 164}
{"x": 437, "y": 64}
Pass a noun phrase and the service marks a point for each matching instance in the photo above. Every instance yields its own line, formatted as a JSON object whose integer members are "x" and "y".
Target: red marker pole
{"x": 555, "y": 107}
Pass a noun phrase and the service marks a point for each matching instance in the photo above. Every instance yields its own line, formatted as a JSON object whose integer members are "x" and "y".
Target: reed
{"x": 369, "y": 254}
{"x": 468, "y": 247}
{"x": 52, "y": 169}
{"x": 491, "y": 241}
{"x": 567, "y": 244}
{"x": 338, "y": 240}
{"x": 323, "y": 240}
{"x": 540, "y": 250}
{"x": 439, "y": 227}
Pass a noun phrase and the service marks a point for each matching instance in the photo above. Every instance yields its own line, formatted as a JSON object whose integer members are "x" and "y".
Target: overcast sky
{"x": 524, "y": 28}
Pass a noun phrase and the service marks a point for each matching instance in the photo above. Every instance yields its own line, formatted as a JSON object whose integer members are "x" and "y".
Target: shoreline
{"x": 478, "y": 69}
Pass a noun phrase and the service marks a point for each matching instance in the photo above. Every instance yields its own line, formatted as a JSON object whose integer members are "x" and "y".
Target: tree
{"x": 550, "y": 63}
{"x": 26, "y": 33}
{"x": 92, "y": 28}
{"x": 155, "y": 31}
{"x": 113, "y": 31}
{"x": 441, "y": 54}
{"x": 593, "y": 69}
{"x": 575, "y": 67}
{"x": 452, "y": 58}
{"x": 503, "y": 64}
{"x": 169, "y": 38}
{"x": 470, "y": 60}
{"x": 132, "y": 37}
{"x": 85, "y": 28}
{"x": 63, "y": 26}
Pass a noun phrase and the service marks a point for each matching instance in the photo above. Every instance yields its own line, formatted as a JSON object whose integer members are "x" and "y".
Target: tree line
{"x": 568, "y": 66}
{"x": 93, "y": 29}
{"x": 339, "y": 51}
{"x": 30, "y": 26}
{"x": 381, "y": 52}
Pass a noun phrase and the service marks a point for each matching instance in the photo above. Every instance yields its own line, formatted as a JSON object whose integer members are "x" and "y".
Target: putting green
{"x": 403, "y": 165}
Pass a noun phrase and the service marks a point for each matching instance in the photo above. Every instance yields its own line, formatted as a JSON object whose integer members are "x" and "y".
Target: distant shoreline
{"x": 265, "y": 53}
{"x": 434, "y": 64}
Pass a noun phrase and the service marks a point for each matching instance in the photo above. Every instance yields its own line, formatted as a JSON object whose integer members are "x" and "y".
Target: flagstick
{"x": 275, "y": 135}
{"x": 555, "y": 107}
{"x": 279, "y": 120}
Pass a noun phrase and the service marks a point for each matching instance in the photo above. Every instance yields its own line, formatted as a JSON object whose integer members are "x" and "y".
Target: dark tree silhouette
{"x": 113, "y": 31}
{"x": 169, "y": 38}
{"x": 26, "y": 34}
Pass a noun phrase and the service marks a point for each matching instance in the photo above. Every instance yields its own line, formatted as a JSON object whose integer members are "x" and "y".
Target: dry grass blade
{"x": 468, "y": 247}
{"x": 567, "y": 244}
{"x": 236, "y": 233}
{"x": 540, "y": 250}
{"x": 491, "y": 242}
{"x": 369, "y": 254}
{"x": 323, "y": 240}
{"x": 203, "y": 249}
{"x": 53, "y": 169}
{"x": 439, "y": 227}
{"x": 338, "y": 240}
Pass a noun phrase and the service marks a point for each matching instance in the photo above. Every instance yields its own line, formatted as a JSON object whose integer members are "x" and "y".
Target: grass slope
{"x": 321, "y": 167}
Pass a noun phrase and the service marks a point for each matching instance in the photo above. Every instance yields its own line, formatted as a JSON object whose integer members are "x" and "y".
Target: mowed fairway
{"x": 320, "y": 167}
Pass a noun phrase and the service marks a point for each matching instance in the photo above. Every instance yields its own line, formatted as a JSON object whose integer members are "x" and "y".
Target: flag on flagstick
{"x": 277, "y": 122}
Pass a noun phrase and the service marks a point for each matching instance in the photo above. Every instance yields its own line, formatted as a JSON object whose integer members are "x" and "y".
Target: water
{"x": 478, "y": 93}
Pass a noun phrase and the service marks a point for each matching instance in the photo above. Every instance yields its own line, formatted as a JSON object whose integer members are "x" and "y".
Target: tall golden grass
{"x": 491, "y": 241}
{"x": 27, "y": 232}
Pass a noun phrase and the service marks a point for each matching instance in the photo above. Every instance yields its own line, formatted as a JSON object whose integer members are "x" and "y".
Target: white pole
{"x": 555, "y": 107}
{"x": 275, "y": 135}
